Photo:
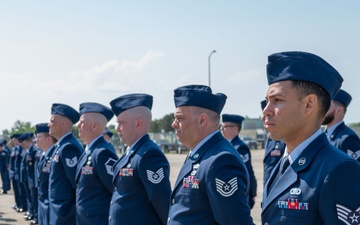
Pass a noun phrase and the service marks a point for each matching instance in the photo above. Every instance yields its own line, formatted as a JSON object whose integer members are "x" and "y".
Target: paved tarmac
{"x": 9, "y": 216}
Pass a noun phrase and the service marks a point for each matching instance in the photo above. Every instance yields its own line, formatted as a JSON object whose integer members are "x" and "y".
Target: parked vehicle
{"x": 251, "y": 143}
{"x": 166, "y": 146}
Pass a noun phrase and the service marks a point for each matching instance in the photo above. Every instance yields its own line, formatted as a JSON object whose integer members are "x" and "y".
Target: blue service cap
{"x": 263, "y": 104}
{"x": 303, "y": 66}
{"x": 3, "y": 142}
{"x": 41, "y": 128}
{"x": 199, "y": 95}
{"x": 93, "y": 107}
{"x": 125, "y": 102}
{"x": 232, "y": 118}
{"x": 108, "y": 133}
{"x": 65, "y": 110}
{"x": 343, "y": 97}
{"x": 17, "y": 135}
{"x": 25, "y": 136}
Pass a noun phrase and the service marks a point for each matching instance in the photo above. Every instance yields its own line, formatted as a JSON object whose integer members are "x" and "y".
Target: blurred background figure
{"x": 46, "y": 144}
{"x": 4, "y": 166}
{"x": 274, "y": 150}
{"x": 340, "y": 135}
{"x": 107, "y": 136}
{"x": 230, "y": 129}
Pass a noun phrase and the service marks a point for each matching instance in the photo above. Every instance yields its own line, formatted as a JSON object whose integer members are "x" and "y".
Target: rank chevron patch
{"x": 226, "y": 189}
{"x": 155, "y": 177}
{"x": 109, "y": 166}
{"x": 245, "y": 158}
{"x": 71, "y": 162}
{"x": 347, "y": 215}
{"x": 355, "y": 155}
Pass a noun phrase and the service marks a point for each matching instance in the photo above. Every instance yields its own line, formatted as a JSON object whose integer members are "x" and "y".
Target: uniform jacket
{"x": 320, "y": 187}
{"x": 17, "y": 161}
{"x": 212, "y": 187}
{"x": 38, "y": 157}
{"x": 245, "y": 154}
{"x": 43, "y": 171}
{"x": 274, "y": 150}
{"x": 30, "y": 166}
{"x": 12, "y": 163}
{"x": 62, "y": 181}
{"x": 4, "y": 160}
{"x": 23, "y": 167}
{"x": 345, "y": 139}
{"x": 94, "y": 183}
{"x": 141, "y": 186}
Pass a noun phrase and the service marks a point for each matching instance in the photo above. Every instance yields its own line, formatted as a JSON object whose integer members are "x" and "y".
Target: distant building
{"x": 254, "y": 128}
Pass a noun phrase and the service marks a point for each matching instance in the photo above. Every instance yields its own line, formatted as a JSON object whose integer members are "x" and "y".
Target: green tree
{"x": 163, "y": 124}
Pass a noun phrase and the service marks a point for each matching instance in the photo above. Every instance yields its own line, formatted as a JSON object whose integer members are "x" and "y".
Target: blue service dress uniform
{"x": 94, "y": 187}
{"x": 4, "y": 164}
{"x": 274, "y": 150}
{"x": 43, "y": 171}
{"x": 212, "y": 187}
{"x": 345, "y": 139}
{"x": 141, "y": 186}
{"x": 320, "y": 187}
{"x": 24, "y": 184}
{"x": 8, "y": 150}
{"x": 245, "y": 154}
{"x": 30, "y": 172}
{"x": 15, "y": 167}
{"x": 62, "y": 181}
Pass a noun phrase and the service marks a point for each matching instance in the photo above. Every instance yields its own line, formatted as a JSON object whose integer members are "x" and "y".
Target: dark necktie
{"x": 285, "y": 162}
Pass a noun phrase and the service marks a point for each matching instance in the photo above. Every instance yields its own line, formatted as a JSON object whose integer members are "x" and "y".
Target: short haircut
{"x": 305, "y": 88}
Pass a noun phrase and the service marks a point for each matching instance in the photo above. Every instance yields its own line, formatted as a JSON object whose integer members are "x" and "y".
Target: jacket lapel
{"x": 124, "y": 160}
{"x": 269, "y": 148}
{"x": 82, "y": 161}
{"x": 291, "y": 174}
{"x": 195, "y": 158}
{"x": 285, "y": 181}
{"x": 336, "y": 131}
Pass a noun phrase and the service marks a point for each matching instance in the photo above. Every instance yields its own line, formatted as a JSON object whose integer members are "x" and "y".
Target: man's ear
{"x": 138, "y": 123}
{"x": 310, "y": 101}
{"x": 203, "y": 118}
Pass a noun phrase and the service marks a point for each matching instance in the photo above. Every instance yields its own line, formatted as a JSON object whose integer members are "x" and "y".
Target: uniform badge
{"x": 46, "y": 168}
{"x": 347, "y": 215}
{"x": 245, "y": 157}
{"x": 155, "y": 177}
{"x": 87, "y": 170}
{"x": 226, "y": 189}
{"x": 56, "y": 158}
{"x": 109, "y": 166}
{"x": 293, "y": 204}
{"x": 191, "y": 182}
{"x": 275, "y": 152}
{"x": 195, "y": 168}
{"x": 354, "y": 155}
{"x": 126, "y": 172}
{"x": 295, "y": 191}
{"x": 302, "y": 161}
{"x": 71, "y": 162}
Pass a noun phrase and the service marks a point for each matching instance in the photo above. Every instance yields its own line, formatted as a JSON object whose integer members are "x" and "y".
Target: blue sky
{"x": 94, "y": 51}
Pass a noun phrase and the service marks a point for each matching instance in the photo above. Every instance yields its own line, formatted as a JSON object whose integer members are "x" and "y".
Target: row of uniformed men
{"x": 94, "y": 187}
{"x": 213, "y": 184}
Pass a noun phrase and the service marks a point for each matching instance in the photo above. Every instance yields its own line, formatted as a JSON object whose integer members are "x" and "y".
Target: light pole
{"x": 213, "y": 51}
